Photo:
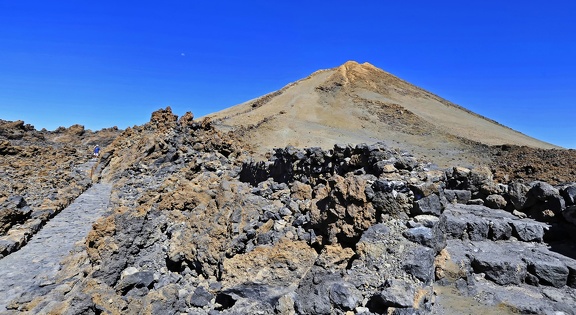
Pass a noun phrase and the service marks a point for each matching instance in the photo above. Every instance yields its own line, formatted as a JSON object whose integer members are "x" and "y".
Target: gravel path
{"x": 33, "y": 267}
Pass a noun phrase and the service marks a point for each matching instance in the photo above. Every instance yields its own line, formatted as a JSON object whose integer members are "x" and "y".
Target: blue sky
{"x": 111, "y": 63}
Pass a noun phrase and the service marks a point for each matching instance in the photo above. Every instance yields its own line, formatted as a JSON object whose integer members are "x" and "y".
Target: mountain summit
{"x": 181, "y": 218}
{"x": 356, "y": 103}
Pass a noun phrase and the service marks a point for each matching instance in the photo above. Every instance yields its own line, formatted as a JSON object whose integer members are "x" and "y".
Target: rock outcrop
{"x": 198, "y": 226}
{"x": 512, "y": 163}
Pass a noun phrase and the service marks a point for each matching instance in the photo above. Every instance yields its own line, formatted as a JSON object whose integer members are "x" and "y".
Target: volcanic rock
{"x": 199, "y": 224}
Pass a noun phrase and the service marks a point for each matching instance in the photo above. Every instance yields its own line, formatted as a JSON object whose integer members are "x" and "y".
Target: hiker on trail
{"x": 96, "y": 151}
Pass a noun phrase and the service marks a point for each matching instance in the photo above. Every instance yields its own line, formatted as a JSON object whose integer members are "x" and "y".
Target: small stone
{"x": 285, "y": 212}
{"x": 201, "y": 297}
{"x": 141, "y": 279}
{"x": 182, "y": 293}
{"x": 128, "y": 271}
{"x": 397, "y": 293}
{"x": 495, "y": 202}
{"x": 428, "y": 205}
{"x": 519, "y": 214}
{"x": 285, "y": 305}
{"x": 458, "y": 196}
{"x": 388, "y": 168}
{"x": 345, "y": 295}
{"x": 427, "y": 220}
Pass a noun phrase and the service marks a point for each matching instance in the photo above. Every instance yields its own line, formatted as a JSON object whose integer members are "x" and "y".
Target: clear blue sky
{"x": 111, "y": 63}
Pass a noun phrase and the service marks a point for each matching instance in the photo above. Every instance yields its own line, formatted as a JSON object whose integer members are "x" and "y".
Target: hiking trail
{"x": 31, "y": 270}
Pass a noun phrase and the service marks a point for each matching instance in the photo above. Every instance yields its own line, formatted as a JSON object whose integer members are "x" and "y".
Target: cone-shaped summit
{"x": 356, "y": 103}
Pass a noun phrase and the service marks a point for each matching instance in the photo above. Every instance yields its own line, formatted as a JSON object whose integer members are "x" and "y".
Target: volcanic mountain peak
{"x": 360, "y": 103}
{"x": 353, "y": 71}
{"x": 367, "y": 76}
{"x": 193, "y": 224}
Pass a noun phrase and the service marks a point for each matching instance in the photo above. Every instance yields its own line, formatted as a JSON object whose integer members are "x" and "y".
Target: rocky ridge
{"x": 41, "y": 173}
{"x": 359, "y": 103}
{"x": 198, "y": 226}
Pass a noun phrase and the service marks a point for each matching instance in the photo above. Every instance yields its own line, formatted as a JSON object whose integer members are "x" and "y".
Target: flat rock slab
{"x": 496, "y": 273}
{"x": 35, "y": 265}
{"x": 478, "y": 223}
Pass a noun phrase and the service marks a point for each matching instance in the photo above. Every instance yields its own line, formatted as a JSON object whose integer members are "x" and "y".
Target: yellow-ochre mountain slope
{"x": 359, "y": 103}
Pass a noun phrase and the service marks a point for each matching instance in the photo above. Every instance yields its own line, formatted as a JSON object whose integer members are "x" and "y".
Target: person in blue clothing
{"x": 96, "y": 151}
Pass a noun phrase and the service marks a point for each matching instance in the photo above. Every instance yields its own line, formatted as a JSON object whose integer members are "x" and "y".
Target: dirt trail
{"x": 30, "y": 272}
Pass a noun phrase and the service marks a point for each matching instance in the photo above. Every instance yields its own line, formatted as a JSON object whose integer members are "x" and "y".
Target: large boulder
{"x": 500, "y": 230}
{"x": 549, "y": 270}
{"x": 419, "y": 262}
{"x": 430, "y": 237}
{"x": 163, "y": 119}
{"x": 458, "y": 196}
{"x": 544, "y": 202}
{"x": 478, "y": 228}
{"x": 390, "y": 197}
{"x": 495, "y": 202}
{"x": 528, "y": 231}
{"x": 201, "y": 297}
{"x": 344, "y": 295}
{"x": 500, "y": 268}
{"x": 301, "y": 191}
{"x": 569, "y": 194}
{"x": 141, "y": 279}
{"x": 428, "y": 205}
{"x": 478, "y": 223}
{"x": 569, "y": 214}
{"x": 396, "y": 293}
{"x": 517, "y": 192}
{"x": 457, "y": 178}
{"x": 541, "y": 191}
{"x": 280, "y": 265}
{"x": 316, "y": 290}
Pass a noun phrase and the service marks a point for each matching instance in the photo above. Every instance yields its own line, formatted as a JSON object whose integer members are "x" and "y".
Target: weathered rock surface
{"x": 15, "y": 210}
{"x": 199, "y": 226}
